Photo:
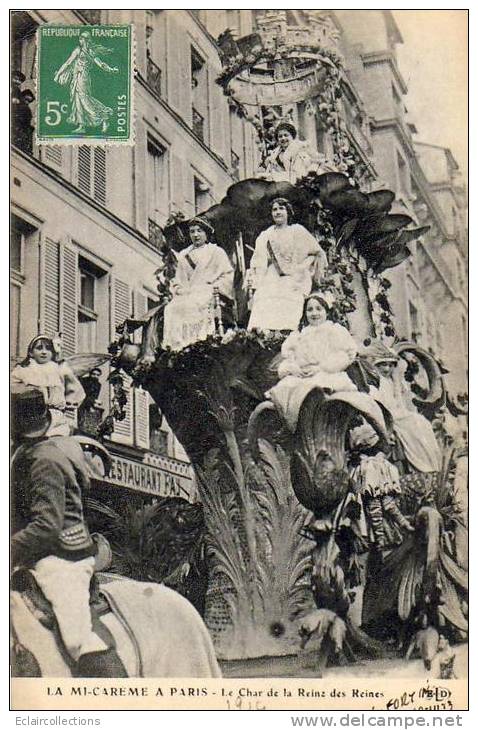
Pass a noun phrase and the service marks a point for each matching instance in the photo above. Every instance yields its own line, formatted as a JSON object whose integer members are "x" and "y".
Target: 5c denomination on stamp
{"x": 85, "y": 84}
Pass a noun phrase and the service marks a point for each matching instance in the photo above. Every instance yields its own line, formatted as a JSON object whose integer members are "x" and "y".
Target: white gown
{"x": 189, "y": 316}
{"x": 59, "y": 385}
{"x": 316, "y": 357}
{"x": 413, "y": 430}
{"x": 279, "y": 299}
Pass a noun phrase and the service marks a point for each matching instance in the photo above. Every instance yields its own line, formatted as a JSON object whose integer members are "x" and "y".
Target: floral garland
{"x": 234, "y": 339}
{"x": 377, "y": 287}
{"x": 235, "y": 65}
{"x": 345, "y": 159}
{"x": 118, "y": 404}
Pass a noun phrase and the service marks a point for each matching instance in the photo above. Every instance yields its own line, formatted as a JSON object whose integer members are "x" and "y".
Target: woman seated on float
{"x": 413, "y": 431}
{"x": 201, "y": 268}
{"x": 291, "y": 159}
{"x": 315, "y": 356}
{"x": 287, "y": 260}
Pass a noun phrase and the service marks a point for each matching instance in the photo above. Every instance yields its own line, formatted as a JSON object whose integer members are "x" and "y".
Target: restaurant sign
{"x": 172, "y": 481}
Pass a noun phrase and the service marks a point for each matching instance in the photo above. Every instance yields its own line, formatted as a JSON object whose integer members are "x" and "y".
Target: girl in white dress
{"x": 315, "y": 356}
{"x": 62, "y": 390}
{"x": 287, "y": 260}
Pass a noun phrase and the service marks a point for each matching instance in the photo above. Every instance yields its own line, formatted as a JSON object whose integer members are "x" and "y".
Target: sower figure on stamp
{"x": 50, "y": 535}
{"x": 86, "y": 111}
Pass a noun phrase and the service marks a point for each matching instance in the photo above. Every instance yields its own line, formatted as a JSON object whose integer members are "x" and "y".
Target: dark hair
{"x": 317, "y": 296}
{"x": 26, "y": 361}
{"x": 207, "y": 227}
{"x": 288, "y": 126}
{"x": 285, "y": 204}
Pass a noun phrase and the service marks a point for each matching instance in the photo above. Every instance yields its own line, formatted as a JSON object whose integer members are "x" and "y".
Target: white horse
{"x": 157, "y": 632}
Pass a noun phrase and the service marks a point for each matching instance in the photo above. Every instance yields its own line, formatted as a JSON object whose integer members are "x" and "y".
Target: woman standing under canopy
{"x": 287, "y": 260}
{"x": 291, "y": 159}
{"x": 201, "y": 268}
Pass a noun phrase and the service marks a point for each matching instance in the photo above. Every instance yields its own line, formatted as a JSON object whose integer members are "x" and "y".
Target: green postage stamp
{"x": 85, "y": 88}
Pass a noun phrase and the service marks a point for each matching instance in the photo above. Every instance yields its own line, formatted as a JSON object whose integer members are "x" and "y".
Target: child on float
{"x": 62, "y": 390}
{"x": 377, "y": 481}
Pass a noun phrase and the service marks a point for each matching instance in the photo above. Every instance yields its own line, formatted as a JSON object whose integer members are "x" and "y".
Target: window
{"x": 158, "y": 187}
{"x": 15, "y": 303}
{"x": 153, "y": 71}
{"x": 200, "y": 98}
{"x": 91, "y": 295}
{"x": 91, "y": 173}
{"x": 202, "y": 198}
{"x": 16, "y": 249}
{"x": 158, "y": 437}
{"x": 21, "y": 233}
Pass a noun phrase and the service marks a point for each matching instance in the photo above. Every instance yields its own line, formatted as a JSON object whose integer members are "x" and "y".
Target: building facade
{"x": 87, "y": 221}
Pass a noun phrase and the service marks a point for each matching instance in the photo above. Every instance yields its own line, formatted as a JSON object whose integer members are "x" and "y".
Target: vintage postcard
{"x": 238, "y": 346}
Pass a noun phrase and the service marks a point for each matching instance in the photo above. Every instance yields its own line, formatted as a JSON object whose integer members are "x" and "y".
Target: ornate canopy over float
{"x": 292, "y": 567}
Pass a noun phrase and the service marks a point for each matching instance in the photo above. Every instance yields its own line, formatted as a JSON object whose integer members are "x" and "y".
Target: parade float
{"x": 290, "y": 571}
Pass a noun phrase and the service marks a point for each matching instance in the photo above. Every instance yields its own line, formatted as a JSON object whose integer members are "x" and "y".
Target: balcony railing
{"x": 155, "y": 234}
{"x": 153, "y": 76}
{"x": 198, "y": 124}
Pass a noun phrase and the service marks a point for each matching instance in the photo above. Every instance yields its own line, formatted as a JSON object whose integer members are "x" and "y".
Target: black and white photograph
{"x": 239, "y": 359}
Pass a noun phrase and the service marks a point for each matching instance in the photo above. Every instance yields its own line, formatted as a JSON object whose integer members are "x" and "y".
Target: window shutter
{"x": 121, "y": 309}
{"x": 53, "y": 157}
{"x": 141, "y": 421}
{"x": 141, "y": 397}
{"x": 69, "y": 300}
{"x": 84, "y": 169}
{"x": 99, "y": 176}
{"x": 50, "y": 301}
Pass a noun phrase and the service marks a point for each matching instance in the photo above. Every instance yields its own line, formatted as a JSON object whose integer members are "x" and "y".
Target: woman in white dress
{"x": 287, "y": 260}
{"x": 292, "y": 159}
{"x": 202, "y": 267}
{"x": 413, "y": 431}
{"x": 315, "y": 356}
